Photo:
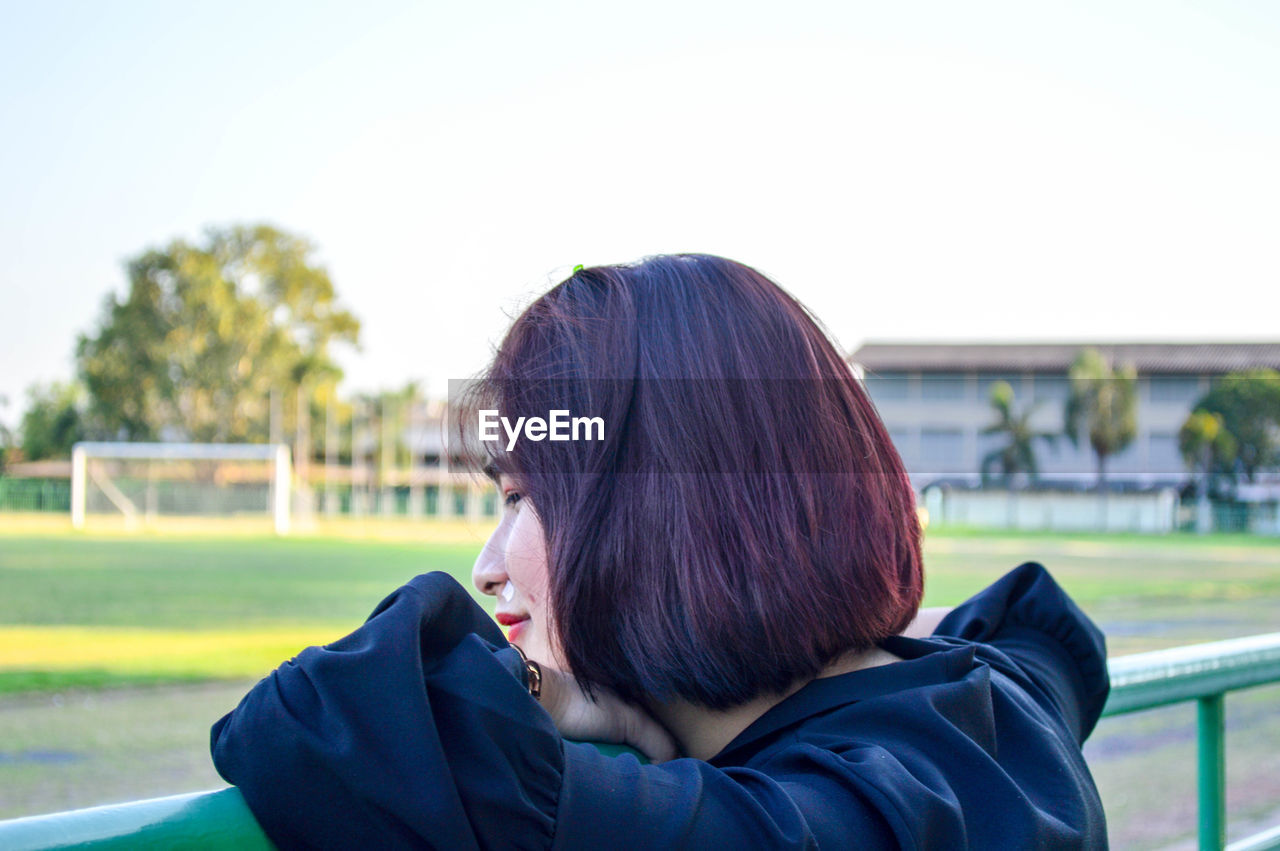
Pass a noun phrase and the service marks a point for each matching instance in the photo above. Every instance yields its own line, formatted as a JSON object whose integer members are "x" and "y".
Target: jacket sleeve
{"x": 415, "y": 731}
{"x": 804, "y": 798}
{"x": 1031, "y": 620}
{"x": 411, "y": 732}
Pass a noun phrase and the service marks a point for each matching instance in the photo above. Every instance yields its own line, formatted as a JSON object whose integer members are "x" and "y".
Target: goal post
{"x": 208, "y": 479}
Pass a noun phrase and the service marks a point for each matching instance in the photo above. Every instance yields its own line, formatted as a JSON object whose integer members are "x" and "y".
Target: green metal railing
{"x": 1202, "y": 672}
{"x": 218, "y": 819}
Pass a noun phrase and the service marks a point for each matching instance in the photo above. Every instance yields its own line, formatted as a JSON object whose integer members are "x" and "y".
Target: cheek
{"x": 527, "y": 556}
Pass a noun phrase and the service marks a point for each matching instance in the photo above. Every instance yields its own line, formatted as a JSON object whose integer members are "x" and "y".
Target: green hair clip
{"x": 577, "y": 269}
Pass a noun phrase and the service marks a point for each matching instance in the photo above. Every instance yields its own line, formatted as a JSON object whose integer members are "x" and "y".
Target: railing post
{"x": 1212, "y": 772}
{"x": 78, "y": 464}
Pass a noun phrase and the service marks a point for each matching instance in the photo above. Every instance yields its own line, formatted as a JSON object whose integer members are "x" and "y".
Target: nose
{"x": 490, "y": 570}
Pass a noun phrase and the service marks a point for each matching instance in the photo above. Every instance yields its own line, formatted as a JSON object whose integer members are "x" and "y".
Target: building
{"x": 935, "y": 400}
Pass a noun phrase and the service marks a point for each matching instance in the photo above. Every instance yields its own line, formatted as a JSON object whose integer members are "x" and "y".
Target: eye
{"x": 511, "y": 499}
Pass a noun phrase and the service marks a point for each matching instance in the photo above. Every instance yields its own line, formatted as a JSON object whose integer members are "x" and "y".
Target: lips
{"x": 515, "y": 624}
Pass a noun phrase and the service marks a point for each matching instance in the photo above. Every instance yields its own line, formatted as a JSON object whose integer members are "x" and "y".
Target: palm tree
{"x": 1207, "y": 447}
{"x": 1018, "y": 455}
{"x": 1104, "y": 405}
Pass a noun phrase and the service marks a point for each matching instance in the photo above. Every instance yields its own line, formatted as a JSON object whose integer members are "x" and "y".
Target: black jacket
{"x": 414, "y": 732}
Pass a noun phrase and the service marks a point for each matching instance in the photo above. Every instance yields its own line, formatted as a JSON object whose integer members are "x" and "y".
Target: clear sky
{"x": 975, "y": 171}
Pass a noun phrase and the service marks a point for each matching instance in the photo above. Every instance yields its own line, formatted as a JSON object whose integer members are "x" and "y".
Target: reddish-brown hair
{"x": 745, "y": 519}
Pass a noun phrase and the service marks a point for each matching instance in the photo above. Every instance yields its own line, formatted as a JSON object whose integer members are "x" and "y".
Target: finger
{"x": 649, "y": 737}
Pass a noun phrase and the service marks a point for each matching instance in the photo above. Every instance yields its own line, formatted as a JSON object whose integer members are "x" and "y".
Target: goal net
{"x": 143, "y": 482}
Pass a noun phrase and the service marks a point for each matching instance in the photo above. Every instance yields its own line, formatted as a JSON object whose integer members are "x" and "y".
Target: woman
{"x": 723, "y": 573}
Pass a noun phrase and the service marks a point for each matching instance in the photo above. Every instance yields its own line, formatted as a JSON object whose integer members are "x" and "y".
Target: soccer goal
{"x": 141, "y": 482}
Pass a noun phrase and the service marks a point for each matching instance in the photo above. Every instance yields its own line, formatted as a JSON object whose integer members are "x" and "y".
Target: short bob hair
{"x": 745, "y": 518}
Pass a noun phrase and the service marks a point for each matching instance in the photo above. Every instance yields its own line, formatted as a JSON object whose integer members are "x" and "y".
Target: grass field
{"x": 117, "y": 652}
{"x": 95, "y": 609}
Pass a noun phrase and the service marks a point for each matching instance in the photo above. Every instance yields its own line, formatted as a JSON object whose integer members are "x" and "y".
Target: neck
{"x": 702, "y": 733}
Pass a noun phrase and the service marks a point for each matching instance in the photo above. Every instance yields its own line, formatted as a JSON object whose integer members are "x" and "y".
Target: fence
{"x": 35, "y": 495}
{"x": 1150, "y": 512}
{"x": 983, "y": 509}
{"x": 341, "y": 499}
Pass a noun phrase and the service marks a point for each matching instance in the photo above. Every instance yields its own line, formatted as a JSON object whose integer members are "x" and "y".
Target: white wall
{"x": 1153, "y": 512}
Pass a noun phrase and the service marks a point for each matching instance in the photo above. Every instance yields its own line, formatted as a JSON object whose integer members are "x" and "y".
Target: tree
{"x": 54, "y": 420}
{"x": 207, "y": 331}
{"x": 1208, "y": 448}
{"x": 6, "y": 439}
{"x": 1018, "y": 455}
{"x": 1248, "y": 404}
{"x": 1102, "y": 405}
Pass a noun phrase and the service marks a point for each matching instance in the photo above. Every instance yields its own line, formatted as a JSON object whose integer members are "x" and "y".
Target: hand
{"x": 604, "y": 717}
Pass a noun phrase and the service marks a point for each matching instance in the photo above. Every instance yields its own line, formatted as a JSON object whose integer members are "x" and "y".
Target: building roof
{"x": 1172, "y": 358}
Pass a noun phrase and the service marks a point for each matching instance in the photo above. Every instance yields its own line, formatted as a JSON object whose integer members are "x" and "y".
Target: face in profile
{"x": 513, "y": 567}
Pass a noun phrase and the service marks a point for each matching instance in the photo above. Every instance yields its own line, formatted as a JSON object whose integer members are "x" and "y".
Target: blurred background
{"x": 244, "y": 248}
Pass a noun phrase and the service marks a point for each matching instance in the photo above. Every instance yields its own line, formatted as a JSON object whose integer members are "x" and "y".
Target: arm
{"x": 416, "y": 731}
{"x": 411, "y": 731}
{"x": 805, "y": 798}
{"x": 1056, "y": 648}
